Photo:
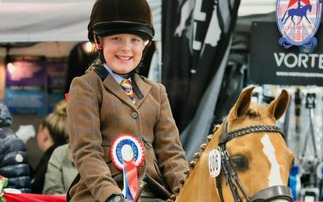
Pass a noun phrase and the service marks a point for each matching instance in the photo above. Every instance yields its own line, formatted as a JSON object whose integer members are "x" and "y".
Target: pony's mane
{"x": 196, "y": 160}
{"x": 203, "y": 147}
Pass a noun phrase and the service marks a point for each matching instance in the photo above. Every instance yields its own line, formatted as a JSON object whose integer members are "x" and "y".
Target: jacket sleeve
{"x": 168, "y": 148}
{"x": 53, "y": 177}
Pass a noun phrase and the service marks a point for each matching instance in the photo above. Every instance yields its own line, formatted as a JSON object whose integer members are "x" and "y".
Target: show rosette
{"x": 126, "y": 147}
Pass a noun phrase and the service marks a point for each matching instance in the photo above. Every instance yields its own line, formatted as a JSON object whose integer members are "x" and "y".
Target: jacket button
{"x": 134, "y": 115}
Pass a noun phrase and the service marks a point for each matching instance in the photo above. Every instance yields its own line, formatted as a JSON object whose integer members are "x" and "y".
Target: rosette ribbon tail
{"x": 130, "y": 179}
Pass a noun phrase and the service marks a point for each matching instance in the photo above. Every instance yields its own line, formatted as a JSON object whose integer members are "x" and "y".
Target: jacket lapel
{"x": 144, "y": 88}
{"x": 112, "y": 85}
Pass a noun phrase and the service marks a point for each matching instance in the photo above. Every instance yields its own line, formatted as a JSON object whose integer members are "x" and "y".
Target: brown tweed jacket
{"x": 98, "y": 111}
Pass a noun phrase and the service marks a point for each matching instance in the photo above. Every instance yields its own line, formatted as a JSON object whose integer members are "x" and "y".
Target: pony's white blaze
{"x": 269, "y": 150}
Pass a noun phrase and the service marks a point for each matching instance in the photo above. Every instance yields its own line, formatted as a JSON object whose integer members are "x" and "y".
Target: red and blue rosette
{"x": 127, "y": 154}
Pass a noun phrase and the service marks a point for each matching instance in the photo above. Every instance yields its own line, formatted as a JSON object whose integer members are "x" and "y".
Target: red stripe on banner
{"x": 27, "y": 197}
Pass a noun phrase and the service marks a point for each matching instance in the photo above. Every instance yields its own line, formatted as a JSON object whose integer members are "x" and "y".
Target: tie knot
{"x": 126, "y": 84}
{"x": 127, "y": 87}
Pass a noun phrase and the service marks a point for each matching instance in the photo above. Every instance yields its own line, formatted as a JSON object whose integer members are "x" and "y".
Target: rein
{"x": 227, "y": 165}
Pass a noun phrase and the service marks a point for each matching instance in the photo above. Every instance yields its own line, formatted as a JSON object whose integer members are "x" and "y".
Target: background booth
{"x": 202, "y": 51}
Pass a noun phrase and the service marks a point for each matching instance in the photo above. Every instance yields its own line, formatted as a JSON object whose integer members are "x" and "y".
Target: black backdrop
{"x": 195, "y": 57}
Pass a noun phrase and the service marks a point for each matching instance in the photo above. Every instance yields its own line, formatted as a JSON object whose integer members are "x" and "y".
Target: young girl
{"x": 119, "y": 138}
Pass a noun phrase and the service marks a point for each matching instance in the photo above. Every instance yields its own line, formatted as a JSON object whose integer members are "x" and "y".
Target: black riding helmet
{"x": 110, "y": 17}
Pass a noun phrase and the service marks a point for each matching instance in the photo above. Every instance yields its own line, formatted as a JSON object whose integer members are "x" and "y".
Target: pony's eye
{"x": 240, "y": 162}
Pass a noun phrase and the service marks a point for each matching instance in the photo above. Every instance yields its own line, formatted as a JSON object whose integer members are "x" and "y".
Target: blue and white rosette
{"x": 127, "y": 154}
{"x": 126, "y": 147}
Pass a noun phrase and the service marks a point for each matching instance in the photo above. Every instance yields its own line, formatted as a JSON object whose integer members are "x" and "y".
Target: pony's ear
{"x": 279, "y": 105}
{"x": 243, "y": 103}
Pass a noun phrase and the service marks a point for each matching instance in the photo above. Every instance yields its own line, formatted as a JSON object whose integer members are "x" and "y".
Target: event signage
{"x": 271, "y": 63}
{"x": 298, "y": 21}
{"x": 34, "y": 84}
{"x": 25, "y": 84}
{"x": 56, "y": 70}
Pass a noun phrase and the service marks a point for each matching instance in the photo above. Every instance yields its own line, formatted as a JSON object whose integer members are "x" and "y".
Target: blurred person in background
{"x": 61, "y": 171}
{"x": 14, "y": 163}
{"x": 52, "y": 132}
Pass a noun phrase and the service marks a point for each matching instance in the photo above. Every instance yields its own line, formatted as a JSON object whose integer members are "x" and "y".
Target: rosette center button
{"x": 127, "y": 152}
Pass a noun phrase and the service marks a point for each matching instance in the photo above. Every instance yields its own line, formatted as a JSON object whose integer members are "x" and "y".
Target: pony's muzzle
{"x": 275, "y": 193}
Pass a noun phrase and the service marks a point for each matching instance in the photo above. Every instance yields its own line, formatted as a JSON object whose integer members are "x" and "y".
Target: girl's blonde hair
{"x": 94, "y": 64}
{"x": 56, "y": 123}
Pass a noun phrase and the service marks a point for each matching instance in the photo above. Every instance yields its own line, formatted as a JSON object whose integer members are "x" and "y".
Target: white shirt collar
{"x": 117, "y": 77}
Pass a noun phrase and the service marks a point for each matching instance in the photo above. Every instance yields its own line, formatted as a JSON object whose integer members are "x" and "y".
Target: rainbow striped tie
{"x": 127, "y": 87}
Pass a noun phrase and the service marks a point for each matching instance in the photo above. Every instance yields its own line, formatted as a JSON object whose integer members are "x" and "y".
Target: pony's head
{"x": 245, "y": 159}
{"x": 255, "y": 158}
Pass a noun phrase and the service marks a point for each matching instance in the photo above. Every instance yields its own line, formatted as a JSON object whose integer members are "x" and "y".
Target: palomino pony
{"x": 246, "y": 158}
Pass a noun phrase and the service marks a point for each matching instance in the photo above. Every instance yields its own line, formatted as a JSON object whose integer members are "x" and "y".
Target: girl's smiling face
{"x": 123, "y": 52}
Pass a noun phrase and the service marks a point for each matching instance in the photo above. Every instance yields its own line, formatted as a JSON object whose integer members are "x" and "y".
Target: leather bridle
{"x": 228, "y": 170}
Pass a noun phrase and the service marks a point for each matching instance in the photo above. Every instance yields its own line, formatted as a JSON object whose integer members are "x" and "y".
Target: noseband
{"x": 227, "y": 167}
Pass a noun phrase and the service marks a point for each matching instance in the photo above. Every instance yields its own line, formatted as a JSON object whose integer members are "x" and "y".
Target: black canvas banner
{"x": 270, "y": 63}
{"x": 196, "y": 35}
